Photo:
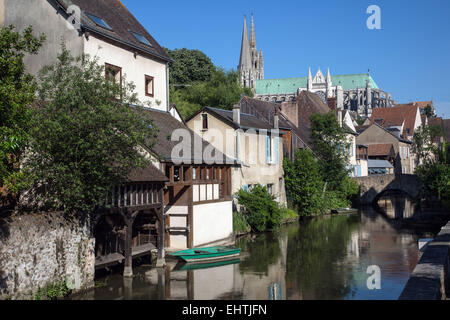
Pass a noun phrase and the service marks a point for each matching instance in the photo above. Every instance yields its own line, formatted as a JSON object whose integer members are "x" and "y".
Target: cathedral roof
{"x": 291, "y": 85}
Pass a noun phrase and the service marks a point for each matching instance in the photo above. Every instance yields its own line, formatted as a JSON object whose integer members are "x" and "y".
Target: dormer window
{"x": 205, "y": 121}
{"x": 99, "y": 21}
{"x": 141, "y": 39}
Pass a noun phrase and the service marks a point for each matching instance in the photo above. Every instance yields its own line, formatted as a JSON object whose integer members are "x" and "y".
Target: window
{"x": 194, "y": 173}
{"x": 149, "y": 86}
{"x": 99, "y": 21}
{"x": 270, "y": 189}
{"x": 141, "y": 39}
{"x": 113, "y": 73}
{"x": 205, "y": 121}
{"x": 268, "y": 150}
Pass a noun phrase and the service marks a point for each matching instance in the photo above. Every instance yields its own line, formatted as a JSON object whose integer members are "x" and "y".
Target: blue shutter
{"x": 359, "y": 171}
{"x": 267, "y": 149}
{"x": 277, "y": 150}
{"x": 245, "y": 187}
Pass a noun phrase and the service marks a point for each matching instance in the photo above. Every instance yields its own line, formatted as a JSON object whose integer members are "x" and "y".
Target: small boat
{"x": 202, "y": 255}
{"x": 344, "y": 210}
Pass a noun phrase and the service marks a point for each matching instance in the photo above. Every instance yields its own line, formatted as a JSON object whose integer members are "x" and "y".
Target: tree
{"x": 85, "y": 135}
{"x": 423, "y": 145}
{"x": 330, "y": 145}
{"x": 189, "y": 66}
{"x": 196, "y": 82}
{"x": 429, "y": 111}
{"x": 304, "y": 184}
{"x": 17, "y": 92}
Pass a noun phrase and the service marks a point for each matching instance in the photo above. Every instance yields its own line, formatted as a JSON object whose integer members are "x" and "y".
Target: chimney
{"x": 237, "y": 114}
{"x": 276, "y": 119}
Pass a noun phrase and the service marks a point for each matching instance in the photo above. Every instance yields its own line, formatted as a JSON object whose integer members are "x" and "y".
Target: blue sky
{"x": 409, "y": 57}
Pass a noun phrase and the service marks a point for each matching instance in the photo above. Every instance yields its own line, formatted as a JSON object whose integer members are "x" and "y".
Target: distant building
{"x": 382, "y": 138}
{"x": 401, "y": 120}
{"x": 251, "y": 62}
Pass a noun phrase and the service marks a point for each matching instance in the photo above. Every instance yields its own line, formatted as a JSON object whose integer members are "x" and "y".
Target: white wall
{"x": 133, "y": 69}
{"x": 212, "y": 222}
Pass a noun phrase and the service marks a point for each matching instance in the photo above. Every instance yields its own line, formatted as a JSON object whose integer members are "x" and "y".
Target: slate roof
{"x": 165, "y": 125}
{"x": 148, "y": 174}
{"x": 122, "y": 22}
{"x": 265, "y": 110}
{"x": 395, "y": 116}
{"x": 291, "y": 85}
{"x": 379, "y": 164}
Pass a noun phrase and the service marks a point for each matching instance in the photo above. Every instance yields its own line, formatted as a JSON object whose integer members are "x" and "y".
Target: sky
{"x": 408, "y": 57}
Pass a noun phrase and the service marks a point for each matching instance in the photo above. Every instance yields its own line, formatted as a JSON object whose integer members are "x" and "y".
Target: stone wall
{"x": 41, "y": 249}
{"x": 430, "y": 279}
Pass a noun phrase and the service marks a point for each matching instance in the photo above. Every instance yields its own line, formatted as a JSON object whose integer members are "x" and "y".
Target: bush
{"x": 260, "y": 208}
{"x": 53, "y": 291}
{"x": 240, "y": 223}
{"x": 288, "y": 214}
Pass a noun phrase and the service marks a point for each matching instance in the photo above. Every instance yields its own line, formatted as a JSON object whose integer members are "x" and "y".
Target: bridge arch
{"x": 372, "y": 187}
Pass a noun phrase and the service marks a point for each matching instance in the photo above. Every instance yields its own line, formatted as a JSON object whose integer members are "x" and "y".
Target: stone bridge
{"x": 372, "y": 187}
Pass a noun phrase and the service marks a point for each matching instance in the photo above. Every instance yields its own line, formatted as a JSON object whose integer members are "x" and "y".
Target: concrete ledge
{"x": 431, "y": 278}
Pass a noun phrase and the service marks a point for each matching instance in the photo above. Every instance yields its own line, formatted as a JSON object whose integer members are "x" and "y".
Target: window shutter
{"x": 267, "y": 149}
{"x": 277, "y": 150}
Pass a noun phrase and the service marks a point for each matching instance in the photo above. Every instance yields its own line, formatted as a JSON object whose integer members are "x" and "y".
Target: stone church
{"x": 359, "y": 92}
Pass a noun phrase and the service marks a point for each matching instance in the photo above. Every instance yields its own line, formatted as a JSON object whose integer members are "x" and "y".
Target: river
{"x": 321, "y": 258}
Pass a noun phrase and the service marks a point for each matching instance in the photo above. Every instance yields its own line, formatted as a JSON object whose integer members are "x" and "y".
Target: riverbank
{"x": 430, "y": 279}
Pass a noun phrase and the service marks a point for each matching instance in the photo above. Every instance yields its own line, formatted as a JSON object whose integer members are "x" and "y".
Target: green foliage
{"x": 189, "y": 66}
{"x": 260, "y": 209}
{"x": 436, "y": 179}
{"x": 330, "y": 143}
{"x": 240, "y": 224}
{"x": 423, "y": 145}
{"x": 53, "y": 291}
{"x": 430, "y": 112}
{"x": 196, "y": 82}
{"x": 304, "y": 185}
{"x": 17, "y": 92}
{"x": 288, "y": 214}
{"x": 85, "y": 135}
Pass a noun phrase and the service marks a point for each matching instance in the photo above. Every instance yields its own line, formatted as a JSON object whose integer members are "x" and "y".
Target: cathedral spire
{"x": 328, "y": 76}
{"x": 252, "y": 34}
{"x": 245, "y": 61}
{"x": 310, "y": 79}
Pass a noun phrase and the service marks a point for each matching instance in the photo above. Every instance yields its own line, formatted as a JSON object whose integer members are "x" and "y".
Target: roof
{"x": 165, "y": 125}
{"x": 422, "y": 104}
{"x": 148, "y": 174}
{"x": 247, "y": 120}
{"x": 307, "y": 104}
{"x": 291, "y": 85}
{"x": 381, "y": 150}
{"x": 379, "y": 164}
{"x": 265, "y": 110}
{"x": 361, "y": 129}
{"x": 395, "y": 116}
{"x": 121, "y": 21}
{"x": 435, "y": 121}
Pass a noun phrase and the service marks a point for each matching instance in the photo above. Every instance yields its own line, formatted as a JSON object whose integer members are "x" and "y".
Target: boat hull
{"x": 202, "y": 255}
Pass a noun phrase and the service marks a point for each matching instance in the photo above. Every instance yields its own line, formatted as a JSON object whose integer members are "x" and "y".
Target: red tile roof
{"x": 395, "y": 116}
{"x": 381, "y": 150}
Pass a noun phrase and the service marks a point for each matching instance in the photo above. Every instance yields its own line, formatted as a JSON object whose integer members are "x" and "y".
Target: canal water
{"x": 322, "y": 258}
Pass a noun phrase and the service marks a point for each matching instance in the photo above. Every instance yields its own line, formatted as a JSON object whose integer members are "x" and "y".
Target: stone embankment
{"x": 430, "y": 279}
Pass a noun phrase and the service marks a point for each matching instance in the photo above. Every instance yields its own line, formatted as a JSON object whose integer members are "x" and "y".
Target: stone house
{"x": 375, "y": 134}
{"x": 254, "y": 143}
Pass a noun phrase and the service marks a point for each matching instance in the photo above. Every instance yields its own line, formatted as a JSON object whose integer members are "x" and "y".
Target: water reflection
{"x": 397, "y": 206}
{"x": 324, "y": 258}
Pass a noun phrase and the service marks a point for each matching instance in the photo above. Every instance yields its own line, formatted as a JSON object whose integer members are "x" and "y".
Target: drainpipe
{"x": 167, "y": 87}
{"x": 237, "y": 121}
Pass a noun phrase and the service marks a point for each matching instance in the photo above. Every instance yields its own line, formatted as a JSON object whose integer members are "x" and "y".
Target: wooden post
{"x": 161, "y": 260}
{"x": 128, "y": 270}
{"x": 190, "y": 217}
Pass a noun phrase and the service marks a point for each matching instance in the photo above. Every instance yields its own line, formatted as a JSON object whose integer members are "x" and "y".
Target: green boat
{"x": 202, "y": 255}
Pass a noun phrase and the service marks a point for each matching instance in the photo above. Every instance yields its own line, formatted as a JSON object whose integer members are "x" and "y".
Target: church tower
{"x": 251, "y": 62}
